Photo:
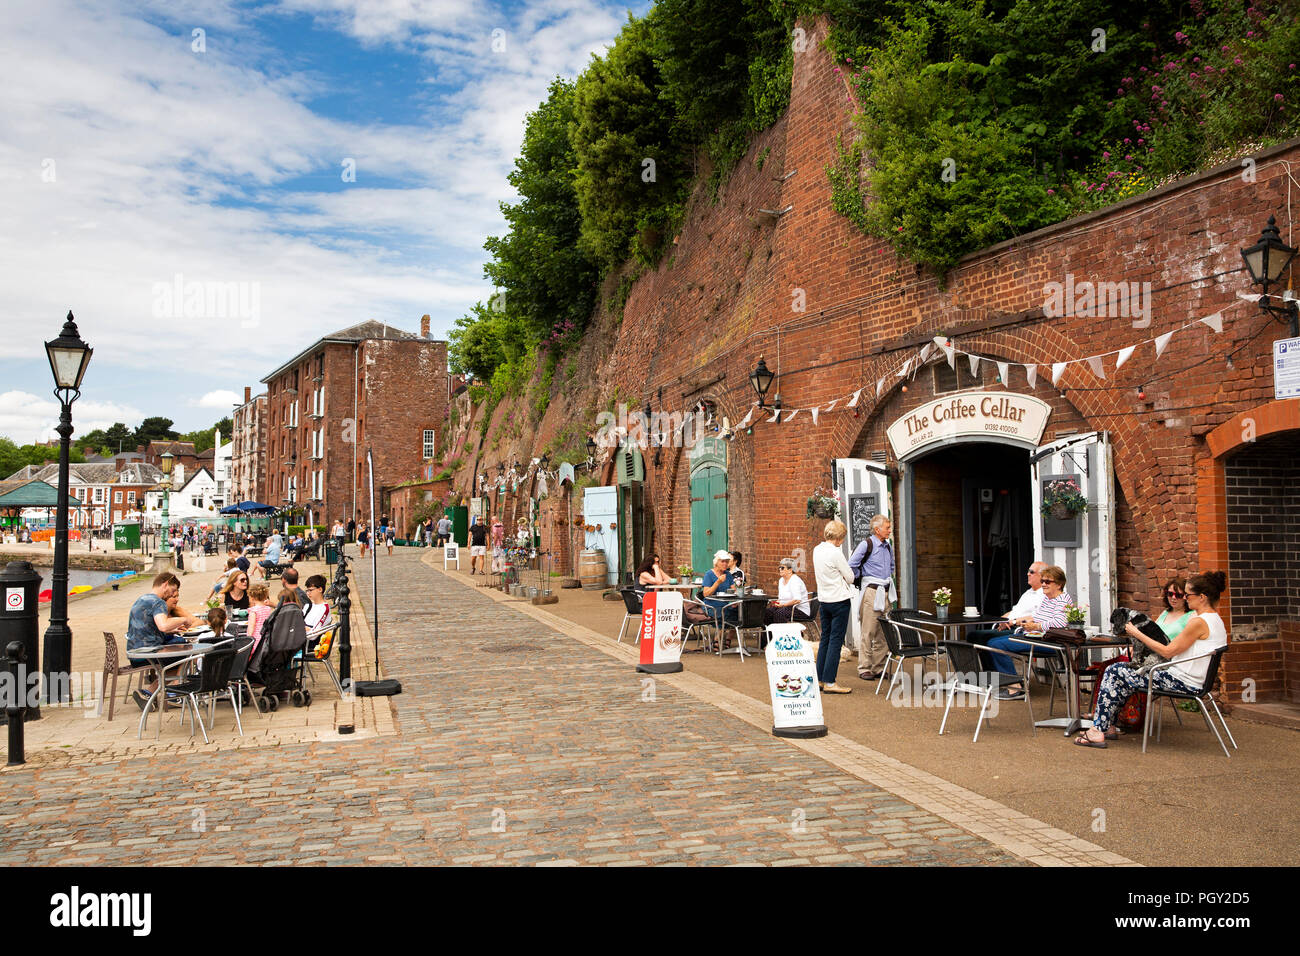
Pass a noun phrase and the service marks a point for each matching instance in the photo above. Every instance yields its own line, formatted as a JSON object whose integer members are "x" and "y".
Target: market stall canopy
{"x": 248, "y": 508}
{"x": 34, "y": 494}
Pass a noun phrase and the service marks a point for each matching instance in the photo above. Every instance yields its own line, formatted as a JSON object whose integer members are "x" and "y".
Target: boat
{"x": 120, "y": 576}
{"x": 81, "y": 589}
{"x": 45, "y": 595}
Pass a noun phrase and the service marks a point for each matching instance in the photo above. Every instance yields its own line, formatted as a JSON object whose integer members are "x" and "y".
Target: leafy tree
{"x": 632, "y": 173}
{"x": 203, "y": 438}
{"x": 547, "y": 282}
{"x": 155, "y": 429}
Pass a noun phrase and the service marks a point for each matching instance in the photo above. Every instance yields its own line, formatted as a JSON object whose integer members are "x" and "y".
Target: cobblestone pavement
{"x": 516, "y": 744}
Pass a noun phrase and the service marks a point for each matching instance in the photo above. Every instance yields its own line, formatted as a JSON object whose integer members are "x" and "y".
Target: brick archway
{"x": 1238, "y": 433}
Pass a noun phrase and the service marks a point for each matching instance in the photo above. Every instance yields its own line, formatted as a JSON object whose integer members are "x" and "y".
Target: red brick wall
{"x": 693, "y": 329}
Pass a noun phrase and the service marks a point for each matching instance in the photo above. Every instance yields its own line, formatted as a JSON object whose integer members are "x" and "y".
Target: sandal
{"x": 1112, "y": 734}
{"x": 1083, "y": 741}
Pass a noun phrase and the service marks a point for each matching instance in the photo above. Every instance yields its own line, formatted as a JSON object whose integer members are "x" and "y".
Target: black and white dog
{"x": 1141, "y": 654}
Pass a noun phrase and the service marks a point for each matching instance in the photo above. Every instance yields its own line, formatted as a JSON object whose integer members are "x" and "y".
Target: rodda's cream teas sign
{"x": 995, "y": 416}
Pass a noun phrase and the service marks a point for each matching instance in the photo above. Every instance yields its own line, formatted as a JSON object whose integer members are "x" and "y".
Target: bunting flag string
{"x": 916, "y": 361}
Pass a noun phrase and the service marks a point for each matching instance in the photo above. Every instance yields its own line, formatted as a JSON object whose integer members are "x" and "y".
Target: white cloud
{"x": 127, "y": 159}
{"x": 28, "y": 418}
{"x": 219, "y": 399}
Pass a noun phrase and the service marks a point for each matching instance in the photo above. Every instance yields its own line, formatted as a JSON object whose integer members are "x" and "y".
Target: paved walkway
{"x": 518, "y": 742}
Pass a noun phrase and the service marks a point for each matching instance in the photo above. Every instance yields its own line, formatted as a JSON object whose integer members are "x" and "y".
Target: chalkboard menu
{"x": 862, "y": 508}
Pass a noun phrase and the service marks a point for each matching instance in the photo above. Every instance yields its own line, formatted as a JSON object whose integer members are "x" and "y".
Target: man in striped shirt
{"x": 1050, "y": 613}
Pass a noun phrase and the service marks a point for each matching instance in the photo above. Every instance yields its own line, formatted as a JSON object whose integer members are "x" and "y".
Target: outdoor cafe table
{"x": 751, "y": 615}
{"x": 952, "y": 626}
{"x": 685, "y": 588}
{"x": 169, "y": 656}
{"x": 1073, "y": 722}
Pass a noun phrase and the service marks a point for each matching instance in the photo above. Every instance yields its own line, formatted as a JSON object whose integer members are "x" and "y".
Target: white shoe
{"x": 836, "y": 689}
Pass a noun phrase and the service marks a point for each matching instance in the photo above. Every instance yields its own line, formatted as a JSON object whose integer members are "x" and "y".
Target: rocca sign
{"x": 991, "y": 416}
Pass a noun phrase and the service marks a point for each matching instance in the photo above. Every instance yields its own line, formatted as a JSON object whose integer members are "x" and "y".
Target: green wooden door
{"x": 708, "y": 516}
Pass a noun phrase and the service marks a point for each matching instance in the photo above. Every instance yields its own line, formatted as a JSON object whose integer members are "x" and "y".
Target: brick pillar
{"x": 1212, "y": 544}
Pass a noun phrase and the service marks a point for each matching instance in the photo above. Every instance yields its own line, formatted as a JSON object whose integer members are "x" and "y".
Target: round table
{"x": 169, "y": 656}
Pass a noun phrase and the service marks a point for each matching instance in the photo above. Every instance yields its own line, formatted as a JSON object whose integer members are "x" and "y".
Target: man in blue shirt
{"x": 149, "y": 626}
{"x": 873, "y": 562}
{"x": 718, "y": 579}
{"x": 273, "y": 546}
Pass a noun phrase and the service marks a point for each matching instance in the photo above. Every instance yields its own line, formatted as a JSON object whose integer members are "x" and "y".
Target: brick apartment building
{"x": 182, "y": 452}
{"x": 248, "y": 454}
{"x": 1187, "y": 458}
{"x": 369, "y": 386}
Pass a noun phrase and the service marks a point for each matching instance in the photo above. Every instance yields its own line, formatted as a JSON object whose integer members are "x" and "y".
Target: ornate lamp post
{"x": 68, "y": 357}
{"x": 164, "y": 528}
{"x": 1266, "y": 260}
{"x": 761, "y": 379}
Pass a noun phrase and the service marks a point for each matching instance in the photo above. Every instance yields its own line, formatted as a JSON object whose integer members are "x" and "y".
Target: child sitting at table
{"x": 259, "y": 609}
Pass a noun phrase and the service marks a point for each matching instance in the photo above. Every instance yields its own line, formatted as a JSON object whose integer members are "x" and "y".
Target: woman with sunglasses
{"x": 235, "y": 593}
{"x": 1176, "y": 614}
{"x": 1190, "y": 650}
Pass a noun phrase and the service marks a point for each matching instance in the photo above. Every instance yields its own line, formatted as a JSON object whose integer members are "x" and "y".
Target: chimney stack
{"x": 424, "y": 326}
{"x": 248, "y": 394}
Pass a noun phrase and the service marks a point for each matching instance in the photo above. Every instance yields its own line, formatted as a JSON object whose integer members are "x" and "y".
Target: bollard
{"x": 16, "y": 706}
{"x": 20, "y": 585}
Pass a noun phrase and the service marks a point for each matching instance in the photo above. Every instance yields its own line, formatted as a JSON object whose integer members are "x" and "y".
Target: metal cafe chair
{"x": 1156, "y": 696}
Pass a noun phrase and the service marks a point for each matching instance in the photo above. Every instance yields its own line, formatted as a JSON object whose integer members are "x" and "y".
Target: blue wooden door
{"x": 708, "y": 516}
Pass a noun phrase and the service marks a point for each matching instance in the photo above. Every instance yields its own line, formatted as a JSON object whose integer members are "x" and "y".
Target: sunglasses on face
{"x": 1175, "y": 594}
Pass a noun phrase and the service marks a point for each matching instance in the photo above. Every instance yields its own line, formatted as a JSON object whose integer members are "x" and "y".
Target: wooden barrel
{"x": 592, "y": 570}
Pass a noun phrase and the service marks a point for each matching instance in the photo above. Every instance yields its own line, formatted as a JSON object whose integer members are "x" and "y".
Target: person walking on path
{"x": 834, "y": 582}
{"x": 444, "y": 531}
{"x": 873, "y": 563}
{"x": 478, "y": 537}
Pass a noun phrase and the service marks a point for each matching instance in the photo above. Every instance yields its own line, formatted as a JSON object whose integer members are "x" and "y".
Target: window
{"x": 130, "y": 497}
{"x": 428, "y": 443}
{"x": 117, "y": 498}
{"x": 196, "y": 501}
{"x": 99, "y": 496}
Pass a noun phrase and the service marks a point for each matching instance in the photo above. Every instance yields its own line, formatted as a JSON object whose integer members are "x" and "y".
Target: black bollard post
{"x": 345, "y": 628}
{"x": 16, "y": 706}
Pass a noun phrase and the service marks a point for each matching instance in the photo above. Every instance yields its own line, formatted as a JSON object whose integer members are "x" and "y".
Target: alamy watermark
{"x": 1128, "y": 300}
{"x": 179, "y": 299}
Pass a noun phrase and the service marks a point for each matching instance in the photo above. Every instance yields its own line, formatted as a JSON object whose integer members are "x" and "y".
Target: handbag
{"x": 1065, "y": 635}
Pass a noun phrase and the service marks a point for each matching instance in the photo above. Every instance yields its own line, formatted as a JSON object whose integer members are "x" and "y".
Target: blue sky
{"x": 297, "y": 167}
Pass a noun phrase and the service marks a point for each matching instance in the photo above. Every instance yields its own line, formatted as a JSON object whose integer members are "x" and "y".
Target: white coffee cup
{"x": 972, "y": 611}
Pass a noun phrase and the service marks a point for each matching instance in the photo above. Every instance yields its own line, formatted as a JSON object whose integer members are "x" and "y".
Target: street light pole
{"x": 69, "y": 356}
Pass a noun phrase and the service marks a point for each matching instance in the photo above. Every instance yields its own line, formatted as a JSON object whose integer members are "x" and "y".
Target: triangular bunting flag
{"x": 793, "y": 414}
{"x": 926, "y": 349}
{"x": 1058, "y": 369}
{"x": 831, "y": 406}
{"x": 744, "y": 422}
{"x": 815, "y": 411}
{"x": 880, "y": 384}
{"x": 1214, "y": 321}
{"x": 974, "y": 365}
{"x": 1031, "y": 374}
{"x": 1124, "y": 355}
{"x": 902, "y": 372}
{"x": 541, "y": 486}
{"x": 1004, "y": 369}
{"x": 1162, "y": 341}
{"x": 853, "y": 402}
{"x": 1094, "y": 363}
{"x": 776, "y": 416}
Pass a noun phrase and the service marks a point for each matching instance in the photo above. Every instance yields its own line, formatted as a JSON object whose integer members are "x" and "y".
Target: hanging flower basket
{"x": 1063, "y": 500}
{"x": 823, "y": 504}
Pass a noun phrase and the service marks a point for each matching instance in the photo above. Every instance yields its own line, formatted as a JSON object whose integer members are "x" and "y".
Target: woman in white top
{"x": 834, "y": 579}
{"x": 791, "y": 602}
{"x": 1190, "y": 650}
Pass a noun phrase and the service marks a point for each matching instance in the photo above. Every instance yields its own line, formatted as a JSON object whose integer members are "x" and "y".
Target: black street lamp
{"x": 761, "y": 379}
{"x": 68, "y": 357}
{"x": 1266, "y": 260}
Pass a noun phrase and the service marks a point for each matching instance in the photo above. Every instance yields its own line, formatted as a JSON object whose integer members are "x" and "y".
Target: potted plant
{"x": 823, "y": 504}
{"x": 942, "y": 598}
{"x": 1062, "y": 499}
{"x": 1076, "y": 615}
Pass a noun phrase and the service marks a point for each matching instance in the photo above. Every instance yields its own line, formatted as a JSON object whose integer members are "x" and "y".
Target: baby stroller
{"x": 276, "y": 664}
